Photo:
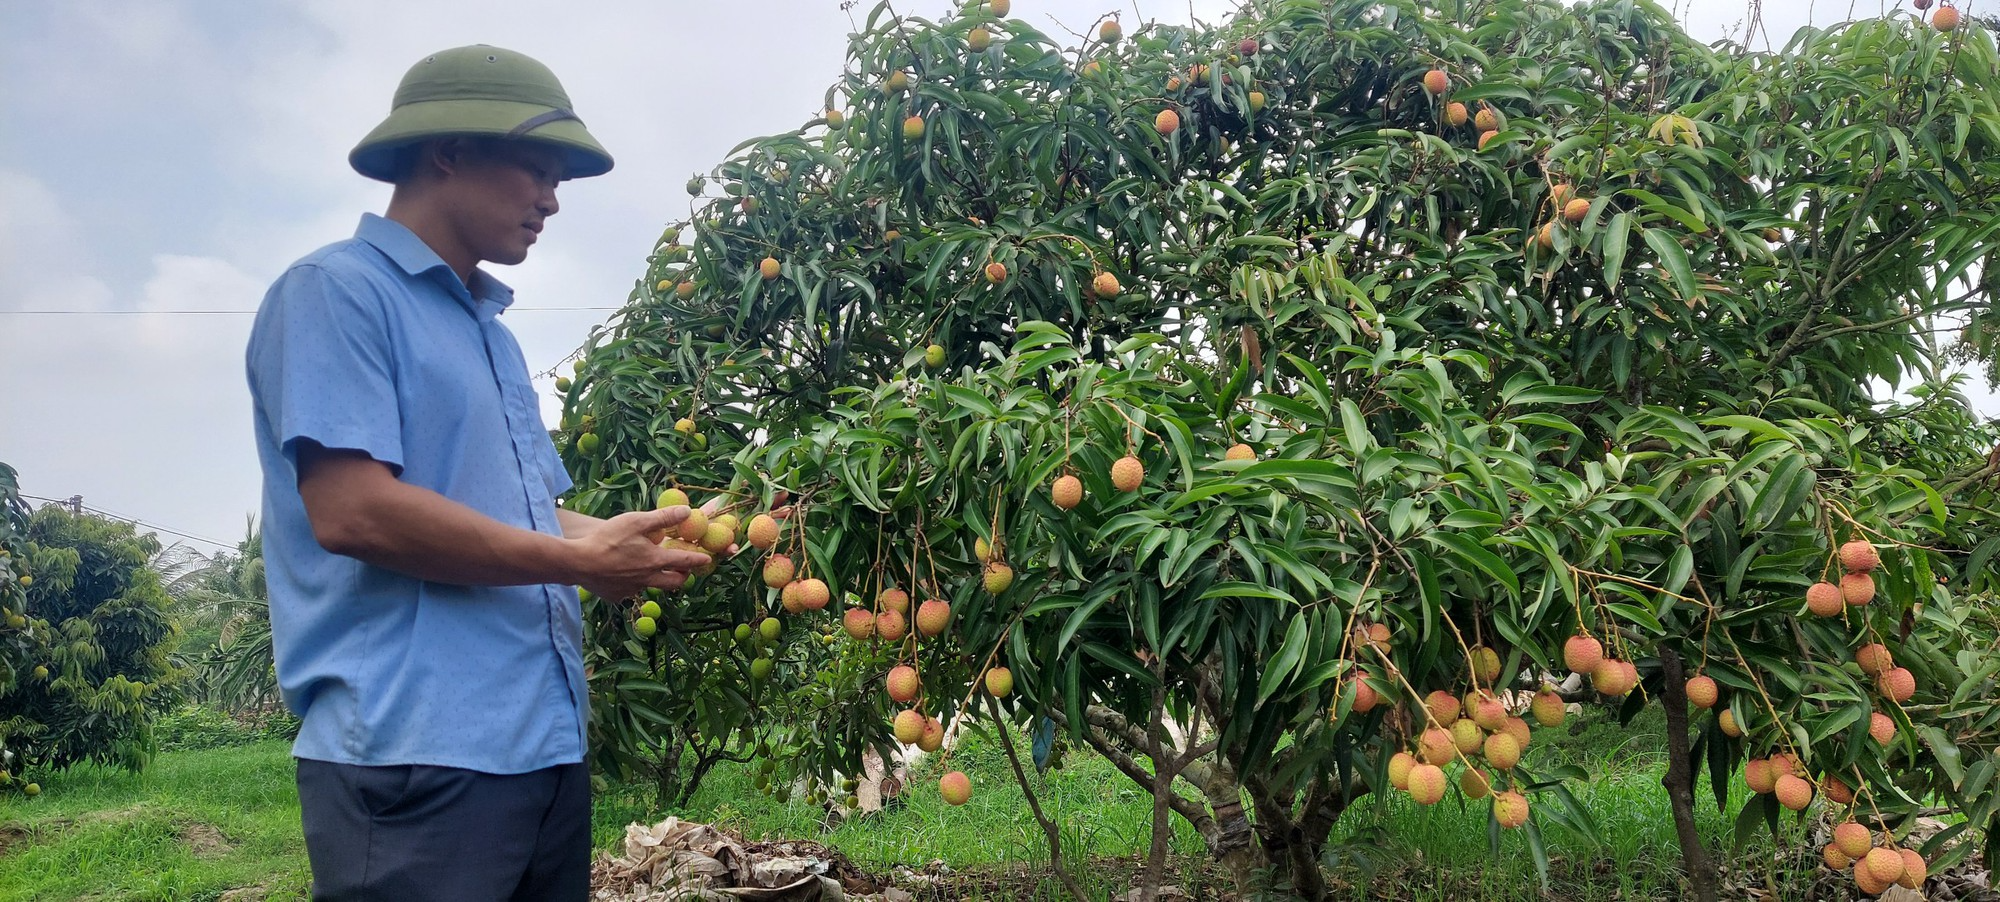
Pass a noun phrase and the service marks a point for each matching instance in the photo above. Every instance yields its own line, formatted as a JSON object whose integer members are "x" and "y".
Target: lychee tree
{"x": 1309, "y": 378}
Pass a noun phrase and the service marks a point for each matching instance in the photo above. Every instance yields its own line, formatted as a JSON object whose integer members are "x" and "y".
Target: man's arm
{"x": 575, "y": 525}
{"x": 359, "y": 509}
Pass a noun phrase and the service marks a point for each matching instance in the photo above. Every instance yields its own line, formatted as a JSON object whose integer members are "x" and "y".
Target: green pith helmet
{"x": 479, "y": 90}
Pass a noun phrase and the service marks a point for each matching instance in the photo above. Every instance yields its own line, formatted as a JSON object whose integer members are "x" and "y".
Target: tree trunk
{"x": 1679, "y": 780}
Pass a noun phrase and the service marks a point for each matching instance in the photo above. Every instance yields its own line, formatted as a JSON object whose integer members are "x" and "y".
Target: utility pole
{"x": 76, "y": 505}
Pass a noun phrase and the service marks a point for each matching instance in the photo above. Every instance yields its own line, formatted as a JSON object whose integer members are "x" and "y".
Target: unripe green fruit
{"x": 934, "y": 356}
{"x": 998, "y": 577}
{"x": 999, "y": 682}
{"x": 650, "y": 609}
{"x": 760, "y": 669}
{"x": 743, "y": 632}
{"x": 645, "y": 627}
{"x": 672, "y": 498}
{"x": 770, "y": 628}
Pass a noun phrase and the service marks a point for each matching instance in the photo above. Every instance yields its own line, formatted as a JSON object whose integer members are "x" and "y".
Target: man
{"x": 420, "y": 573}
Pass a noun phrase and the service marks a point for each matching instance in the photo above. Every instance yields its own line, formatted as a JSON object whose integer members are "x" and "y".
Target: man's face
{"x": 501, "y": 192}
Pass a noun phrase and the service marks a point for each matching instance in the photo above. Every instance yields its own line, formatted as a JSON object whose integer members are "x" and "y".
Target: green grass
{"x": 107, "y": 835}
{"x": 192, "y": 825}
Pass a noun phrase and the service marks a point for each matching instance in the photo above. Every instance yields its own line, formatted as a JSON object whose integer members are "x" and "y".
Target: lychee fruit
{"x": 998, "y": 577}
{"x": 891, "y": 626}
{"x": 1400, "y": 765}
{"x": 1127, "y": 473}
{"x": 1488, "y": 712}
{"x": 1852, "y": 839}
{"x": 1857, "y": 589}
{"x": 903, "y": 684}
{"x": 718, "y": 538}
{"x": 1547, "y": 708}
{"x": 934, "y": 356}
{"x": 1881, "y": 728}
{"x": 1510, "y": 808}
{"x": 913, "y": 128}
{"x": 1427, "y": 784}
{"x": 1240, "y": 451}
{"x": 1256, "y": 102}
{"x": 1444, "y": 707}
{"x": 778, "y": 571}
{"x": 897, "y": 81}
{"x": 1945, "y": 19}
{"x": 1582, "y": 654}
{"x": 1793, "y": 792}
{"x": 955, "y": 787}
{"x": 999, "y": 682}
{"x": 1867, "y": 882}
{"x": 933, "y": 616}
{"x": 1247, "y": 47}
{"x": 1825, "y": 599}
{"x": 1702, "y": 691}
{"x": 978, "y": 39}
{"x": 1859, "y": 557}
{"x": 695, "y": 527}
{"x": 1576, "y": 210}
{"x": 835, "y": 118}
{"x": 996, "y": 272}
{"x": 1485, "y": 664}
{"x": 858, "y": 622}
{"x": 933, "y": 737}
{"x": 1436, "y": 82}
{"x": 1104, "y": 285}
{"x": 1898, "y": 684}
{"x": 1486, "y": 136}
{"x": 1067, "y": 492}
{"x": 684, "y": 290}
{"x": 1726, "y": 721}
{"x": 1474, "y": 783}
{"x": 763, "y": 531}
{"x": 1436, "y": 746}
{"x": 1835, "y": 858}
{"x": 1503, "y": 751}
{"x": 768, "y": 268}
{"x": 1609, "y": 678}
{"x": 1486, "y": 120}
{"x": 1167, "y": 122}
{"x": 1110, "y": 32}
{"x": 1378, "y": 637}
{"x": 1874, "y": 658}
{"x": 1466, "y": 735}
{"x": 1836, "y": 791}
{"x": 909, "y": 726}
{"x": 1455, "y": 114}
{"x": 813, "y": 594}
{"x": 893, "y": 599}
{"x": 1365, "y": 696}
{"x": 1915, "y": 869}
{"x": 1760, "y": 776}
{"x": 1882, "y": 863}
{"x": 1000, "y": 7}
{"x": 1517, "y": 728}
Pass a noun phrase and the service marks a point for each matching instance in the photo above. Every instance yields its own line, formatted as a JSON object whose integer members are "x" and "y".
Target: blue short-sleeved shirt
{"x": 373, "y": 344}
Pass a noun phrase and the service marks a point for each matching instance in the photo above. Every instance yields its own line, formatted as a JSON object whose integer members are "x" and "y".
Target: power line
{"x": 66, "y": 502}
{"x": 242, "y": 312}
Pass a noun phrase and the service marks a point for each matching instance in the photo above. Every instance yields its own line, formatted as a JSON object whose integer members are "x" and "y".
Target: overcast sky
{"x": 176, "y": 155}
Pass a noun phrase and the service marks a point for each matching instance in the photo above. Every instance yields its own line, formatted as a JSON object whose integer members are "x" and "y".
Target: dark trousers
{"x": 419, "y": 833}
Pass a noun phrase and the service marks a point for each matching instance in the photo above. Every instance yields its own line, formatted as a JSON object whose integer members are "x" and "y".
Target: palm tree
{"x": 226, "y": 615}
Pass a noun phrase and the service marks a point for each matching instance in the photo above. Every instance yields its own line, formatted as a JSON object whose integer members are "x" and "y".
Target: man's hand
{"x": 619, "y": 559}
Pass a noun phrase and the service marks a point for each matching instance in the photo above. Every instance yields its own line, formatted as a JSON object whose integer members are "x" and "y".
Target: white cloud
{"x": 44, "y": 263}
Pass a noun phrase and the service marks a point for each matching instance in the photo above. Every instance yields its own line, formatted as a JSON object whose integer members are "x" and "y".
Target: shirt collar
{"x": 485, "y": 297}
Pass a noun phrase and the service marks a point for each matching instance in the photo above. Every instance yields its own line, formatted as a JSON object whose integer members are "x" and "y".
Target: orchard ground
{"x": 219, "y": 812}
